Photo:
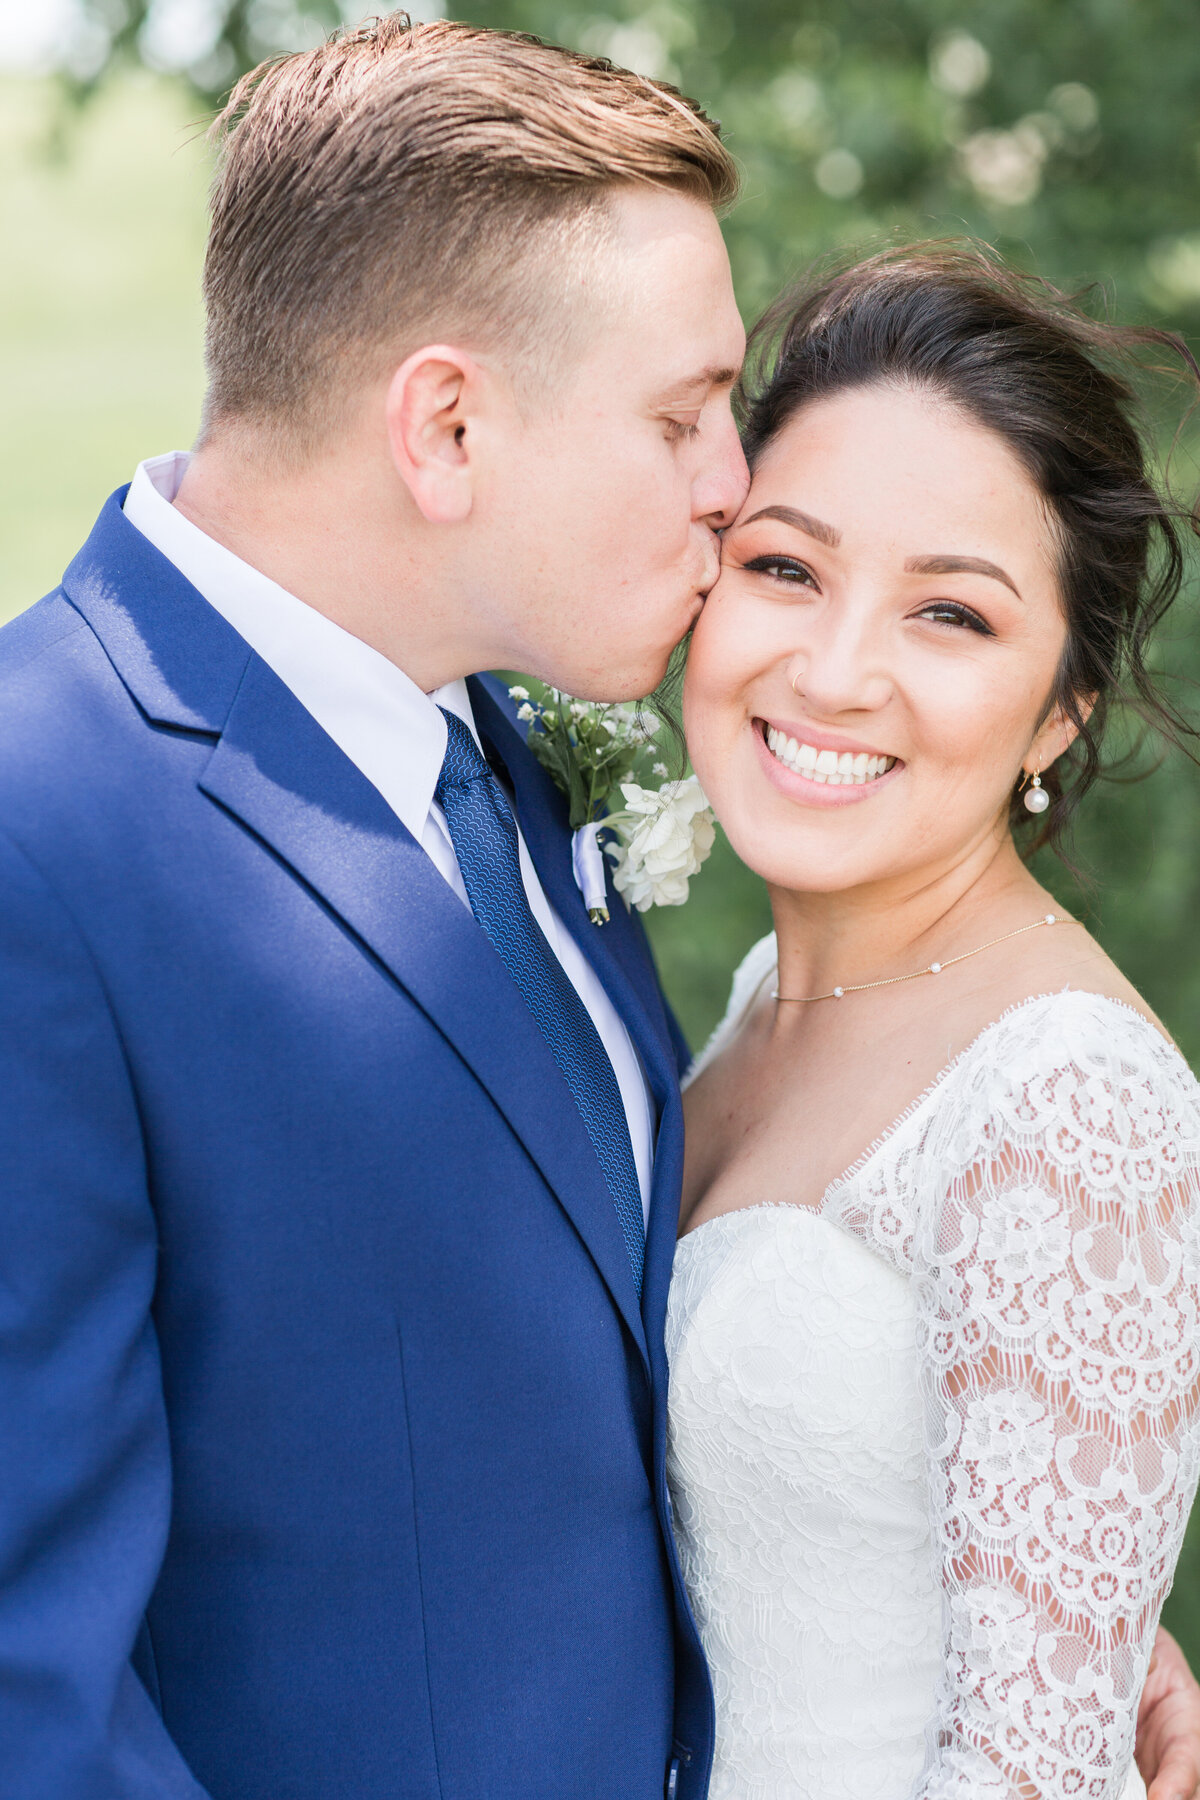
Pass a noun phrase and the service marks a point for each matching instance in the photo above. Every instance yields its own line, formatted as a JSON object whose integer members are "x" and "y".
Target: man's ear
{"x": 430, "y": 402}
{"x": 1056, "y": 733}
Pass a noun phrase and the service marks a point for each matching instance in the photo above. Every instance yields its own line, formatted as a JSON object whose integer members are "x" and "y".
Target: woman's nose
{"x": 838, "y": 671}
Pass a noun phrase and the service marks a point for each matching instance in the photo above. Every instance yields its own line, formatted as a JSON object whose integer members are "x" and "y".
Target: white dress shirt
{"x": 391, "y": 731}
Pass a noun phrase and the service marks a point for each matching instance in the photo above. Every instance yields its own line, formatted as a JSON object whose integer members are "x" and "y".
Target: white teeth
{"x": 828, "y": 767}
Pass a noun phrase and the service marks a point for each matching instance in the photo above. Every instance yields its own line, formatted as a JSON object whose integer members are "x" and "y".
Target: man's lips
{"x": 819, "y": 769}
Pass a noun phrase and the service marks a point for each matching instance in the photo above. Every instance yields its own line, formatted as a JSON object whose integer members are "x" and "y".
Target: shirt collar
{"x": 380, "y": 718}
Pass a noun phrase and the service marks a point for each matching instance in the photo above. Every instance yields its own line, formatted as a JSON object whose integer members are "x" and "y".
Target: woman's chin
{"x": 804, "y": 836}
{"x": 801, "y": 854}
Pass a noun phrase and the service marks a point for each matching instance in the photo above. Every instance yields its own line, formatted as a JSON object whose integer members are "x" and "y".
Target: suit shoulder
{"x": 56, "y": 681}
{"x": 63, "y": 709}
{"x": 35, "y": 631}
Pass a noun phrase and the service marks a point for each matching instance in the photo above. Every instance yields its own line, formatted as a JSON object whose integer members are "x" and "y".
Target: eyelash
{"x": 768, "y": 565}
{"x": 960, "y": 615}
{"x": 678, "y": 432}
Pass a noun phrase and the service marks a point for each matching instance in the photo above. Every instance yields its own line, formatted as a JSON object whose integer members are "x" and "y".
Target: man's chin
{"x": 623, "y": 675}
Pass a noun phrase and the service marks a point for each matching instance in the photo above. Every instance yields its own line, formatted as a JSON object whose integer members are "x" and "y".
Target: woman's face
{"x": 869, "y": 674}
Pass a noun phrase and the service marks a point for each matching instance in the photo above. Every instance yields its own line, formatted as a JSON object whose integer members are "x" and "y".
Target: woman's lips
{"x": 818, "y": 774}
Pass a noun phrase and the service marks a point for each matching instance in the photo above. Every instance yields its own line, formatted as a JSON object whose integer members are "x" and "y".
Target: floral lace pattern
{"x": 933, "y": 1446}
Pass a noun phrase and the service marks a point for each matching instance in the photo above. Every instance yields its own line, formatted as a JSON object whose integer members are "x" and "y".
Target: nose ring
{"x": 794, "y": 680}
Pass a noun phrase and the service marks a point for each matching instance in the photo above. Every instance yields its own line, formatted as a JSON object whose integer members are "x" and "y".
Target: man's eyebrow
{"x": 705, "y": 378}
{"x": 828, "y": 535}
{"x": 960, "y": 565}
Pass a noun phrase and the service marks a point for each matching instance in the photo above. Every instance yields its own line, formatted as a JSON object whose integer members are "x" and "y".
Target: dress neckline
{"x": 891, "y": 1131}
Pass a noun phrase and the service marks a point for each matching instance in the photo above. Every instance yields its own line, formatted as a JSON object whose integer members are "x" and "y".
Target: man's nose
{"x": 723, "y": 484}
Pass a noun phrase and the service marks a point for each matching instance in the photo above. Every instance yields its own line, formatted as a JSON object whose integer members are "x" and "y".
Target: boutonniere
{"x": 661, "y": 832}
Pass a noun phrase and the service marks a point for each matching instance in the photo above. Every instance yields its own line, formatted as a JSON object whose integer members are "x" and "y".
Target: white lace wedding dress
{"x": 933, "y": 1445}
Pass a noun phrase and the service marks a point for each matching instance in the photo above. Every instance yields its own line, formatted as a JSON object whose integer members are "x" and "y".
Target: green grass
{"x": 100, "y": 319}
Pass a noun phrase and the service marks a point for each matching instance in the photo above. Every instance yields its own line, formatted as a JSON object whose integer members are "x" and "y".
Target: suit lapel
{"x": 617, "y": 951}
{"x": 278, "y": 772}
{"x": 620, "y": 956}
{"x": 274, "y": 769}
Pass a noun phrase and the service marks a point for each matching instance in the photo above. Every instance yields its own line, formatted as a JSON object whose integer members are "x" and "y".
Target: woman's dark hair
{"x": 1023, "y": 359}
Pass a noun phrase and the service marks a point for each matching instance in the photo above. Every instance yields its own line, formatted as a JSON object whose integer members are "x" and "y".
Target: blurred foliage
{"x": 1069, "y": 136}
{"x": 100, "y": 315}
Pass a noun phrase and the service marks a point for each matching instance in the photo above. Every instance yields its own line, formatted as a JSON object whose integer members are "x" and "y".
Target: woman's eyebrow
{"x": 828, "y": 535}
{"x": 960, "y": 565}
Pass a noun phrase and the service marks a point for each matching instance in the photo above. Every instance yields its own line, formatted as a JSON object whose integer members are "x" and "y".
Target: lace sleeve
{"x": 1059, "y": 1283}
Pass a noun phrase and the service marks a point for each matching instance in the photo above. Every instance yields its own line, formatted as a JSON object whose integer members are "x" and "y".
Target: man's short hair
{"x": 412, "y": 183}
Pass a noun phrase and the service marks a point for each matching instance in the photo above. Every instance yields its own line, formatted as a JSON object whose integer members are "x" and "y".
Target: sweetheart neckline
{"x": 891, "y": 1131}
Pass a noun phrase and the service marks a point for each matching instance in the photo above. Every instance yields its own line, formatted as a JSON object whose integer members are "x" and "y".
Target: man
{"x": 342, "y": 1151}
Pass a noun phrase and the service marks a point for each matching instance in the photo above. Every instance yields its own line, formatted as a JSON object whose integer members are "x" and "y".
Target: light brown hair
{"x": 408, "y": 183}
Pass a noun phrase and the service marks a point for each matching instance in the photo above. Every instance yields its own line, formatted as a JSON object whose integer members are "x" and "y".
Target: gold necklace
{"x": 934, "y": 968}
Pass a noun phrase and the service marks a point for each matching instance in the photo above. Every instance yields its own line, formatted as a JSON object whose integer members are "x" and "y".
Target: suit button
{"x": 671, "y": 1784}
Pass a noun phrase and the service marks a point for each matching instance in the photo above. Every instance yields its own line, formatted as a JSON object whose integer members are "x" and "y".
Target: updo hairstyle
{"x": 1023, "y": 359}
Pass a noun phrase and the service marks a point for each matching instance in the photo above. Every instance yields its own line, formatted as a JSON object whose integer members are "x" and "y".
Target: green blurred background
{"x": 1066, "y": 134}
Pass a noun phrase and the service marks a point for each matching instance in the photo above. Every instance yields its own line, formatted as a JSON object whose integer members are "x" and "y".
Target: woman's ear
{"x": 1056, "y": 734}
{"x": 429, "y": 407}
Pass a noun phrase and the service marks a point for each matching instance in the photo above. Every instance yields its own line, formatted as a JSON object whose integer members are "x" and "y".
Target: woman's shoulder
{"x": 753, "y": 970}
{"x": 1085, "y": 1023}
{"x": 1083, "y": 1061}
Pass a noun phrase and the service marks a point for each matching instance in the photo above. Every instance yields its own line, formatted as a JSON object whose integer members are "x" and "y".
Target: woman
{"x": 935, "y": 1391}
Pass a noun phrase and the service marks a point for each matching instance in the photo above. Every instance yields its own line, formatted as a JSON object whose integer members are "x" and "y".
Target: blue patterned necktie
{"x": 484, "y": 834}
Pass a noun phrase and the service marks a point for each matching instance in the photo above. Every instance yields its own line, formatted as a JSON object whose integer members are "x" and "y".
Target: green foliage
{"x": 234, "y": 35}
{"x": 588, "y": 747}
{"x": 1069, "y": 136}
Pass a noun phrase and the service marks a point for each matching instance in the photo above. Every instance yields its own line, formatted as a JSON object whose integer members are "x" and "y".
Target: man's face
{"x": 601, "y": 516}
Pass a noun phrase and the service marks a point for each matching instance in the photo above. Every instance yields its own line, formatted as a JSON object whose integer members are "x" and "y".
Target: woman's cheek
{"x": 711, "y": 672}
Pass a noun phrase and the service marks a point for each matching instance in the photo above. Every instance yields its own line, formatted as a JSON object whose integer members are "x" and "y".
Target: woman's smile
{"x": 819, "y": 770}
{"x": 907, "y": 659}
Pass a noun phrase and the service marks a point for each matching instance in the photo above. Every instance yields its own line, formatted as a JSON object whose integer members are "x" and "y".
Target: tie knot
{"x": 464, "y": 761}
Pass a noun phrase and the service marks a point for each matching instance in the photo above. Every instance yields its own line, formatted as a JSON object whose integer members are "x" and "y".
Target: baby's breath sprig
{"x": 594, "y": 748}
{"x": 589, "y": 746}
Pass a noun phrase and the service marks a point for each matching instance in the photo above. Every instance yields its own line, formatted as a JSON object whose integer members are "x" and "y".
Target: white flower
{"x": 1070, "y": 1520}
{"x": 668, "y": 834}
{"x": 1023, "y": 1235}
{"x": 518, "y": 693}
{"x": 526, "y": 713}
{"x": 1047, "y": 1715}
{"x": 661, "y": 770}
{"x": 993, "y": 1631}
{"x": 1007, "y": 1434}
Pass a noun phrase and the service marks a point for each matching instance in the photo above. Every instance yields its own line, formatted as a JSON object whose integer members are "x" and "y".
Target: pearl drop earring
{"x": 1036, "y": 798}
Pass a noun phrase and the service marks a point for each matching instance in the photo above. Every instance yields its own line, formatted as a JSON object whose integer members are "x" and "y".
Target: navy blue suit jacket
{"x": 331, "y": 1431}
